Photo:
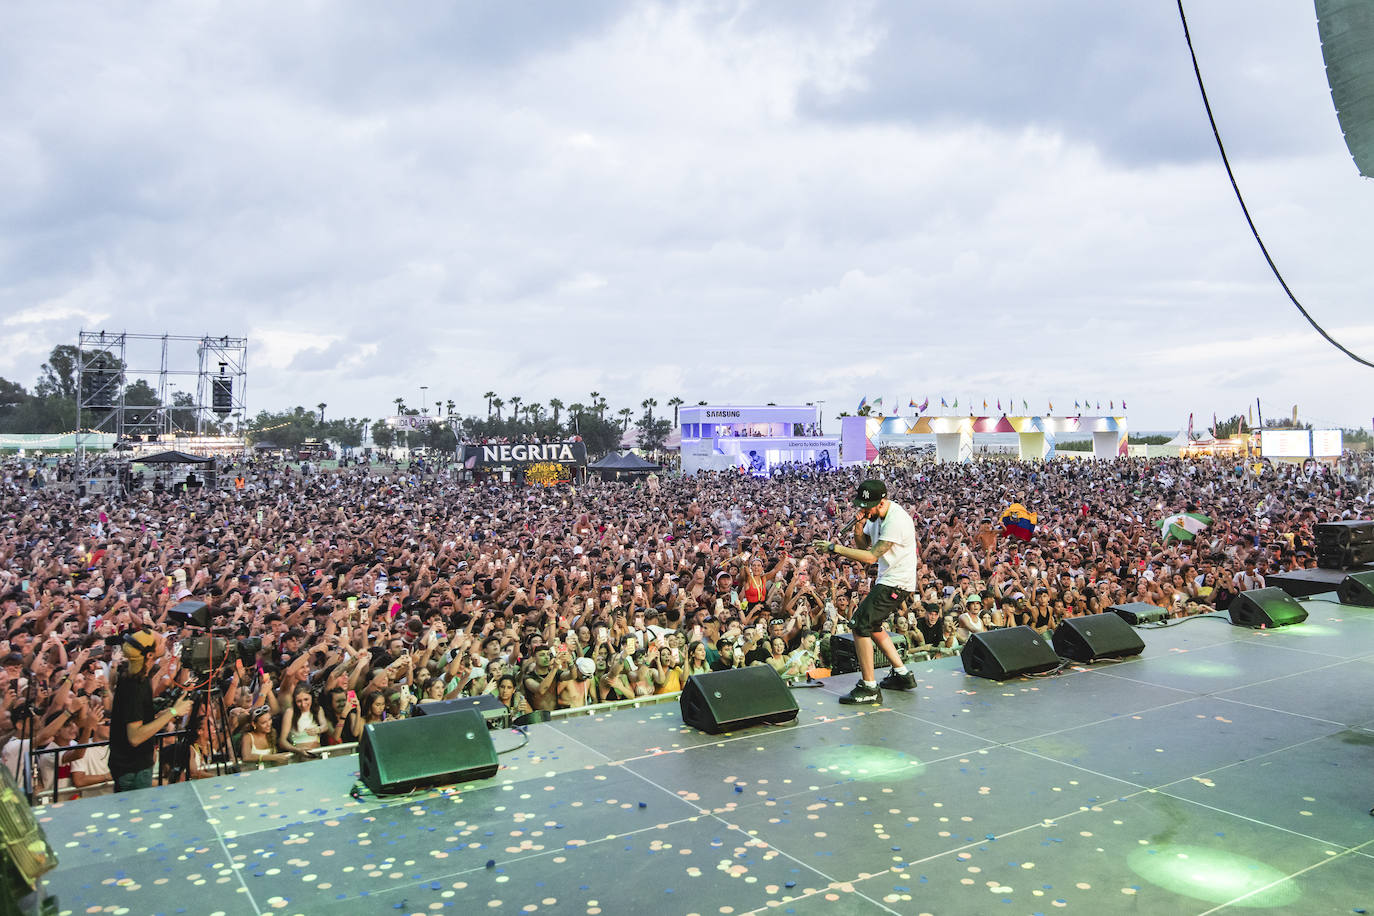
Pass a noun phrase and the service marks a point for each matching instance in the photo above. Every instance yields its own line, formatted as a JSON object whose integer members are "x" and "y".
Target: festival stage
{"x": 1304, "y": 583}
{"x": 1223, "y": 769}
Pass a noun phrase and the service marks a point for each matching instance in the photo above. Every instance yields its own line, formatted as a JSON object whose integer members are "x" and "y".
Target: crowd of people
{"x": 349, "y": 596}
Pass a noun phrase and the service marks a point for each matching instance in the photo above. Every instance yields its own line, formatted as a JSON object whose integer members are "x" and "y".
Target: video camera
{"x": 204, "y": 654}
{"x": 216, "y": 651}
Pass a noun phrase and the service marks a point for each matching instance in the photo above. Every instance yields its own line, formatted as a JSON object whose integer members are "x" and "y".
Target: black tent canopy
{"x": 173, "y": 457}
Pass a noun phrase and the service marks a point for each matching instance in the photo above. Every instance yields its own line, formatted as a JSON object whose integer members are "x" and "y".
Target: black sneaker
{"x": 862, "y": 695}
{"x": 895, "y": 681}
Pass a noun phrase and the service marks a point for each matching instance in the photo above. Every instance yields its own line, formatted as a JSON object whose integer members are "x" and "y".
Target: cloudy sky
{"x": 727, "y": 201}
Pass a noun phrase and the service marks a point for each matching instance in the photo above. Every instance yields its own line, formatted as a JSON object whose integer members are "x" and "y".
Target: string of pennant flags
{"x": 875, "y": 407}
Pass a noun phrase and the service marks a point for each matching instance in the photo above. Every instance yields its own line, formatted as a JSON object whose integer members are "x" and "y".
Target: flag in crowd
{"x": 1018, "y": 522}
{"x": 1184, "y": 526}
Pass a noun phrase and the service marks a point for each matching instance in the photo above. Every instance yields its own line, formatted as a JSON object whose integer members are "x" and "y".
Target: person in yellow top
{"x": 665, "y": 668}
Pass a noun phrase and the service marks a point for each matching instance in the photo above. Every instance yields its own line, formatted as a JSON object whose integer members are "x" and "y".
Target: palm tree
{"x": 438, "y": 406}
{"x": 625, "y": 414}
{"x": 489, "y": 396}
{"x": 556, "y": 406}
{"x": 400, "y": 406}
{"x": 601, "y": 407}
{"x": 450, "y": 406}
{"x": 649, "y": 404}
{"x": 497, "y": 404}
{"x": 701, "y": 403}
{"x": 675, "y": 403}
{"x": 515, "y": 407}
{"x": 535, "y": 412}
{"x": 596, "y": 397}
{"x": 322, "y": 405}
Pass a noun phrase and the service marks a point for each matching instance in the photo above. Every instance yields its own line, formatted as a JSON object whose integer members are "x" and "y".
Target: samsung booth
{"x": 754, "y": 439}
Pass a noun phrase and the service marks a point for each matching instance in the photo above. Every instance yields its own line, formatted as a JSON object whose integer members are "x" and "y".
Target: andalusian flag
{"x": 1184, "y": 526}
{"x": 1017, "y": 522}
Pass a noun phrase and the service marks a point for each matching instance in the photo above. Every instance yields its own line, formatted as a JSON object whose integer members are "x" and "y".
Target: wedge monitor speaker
{"x": 1002, "y": 654}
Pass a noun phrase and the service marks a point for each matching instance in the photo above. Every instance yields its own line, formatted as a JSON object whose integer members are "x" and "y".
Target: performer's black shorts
{"x": 876, "y": 607}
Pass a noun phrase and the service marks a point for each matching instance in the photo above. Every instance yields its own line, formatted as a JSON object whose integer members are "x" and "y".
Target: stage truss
{"x": 109, "y": 362}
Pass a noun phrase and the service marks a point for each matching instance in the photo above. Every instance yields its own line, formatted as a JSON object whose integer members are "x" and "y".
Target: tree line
{"x": 51, "y": 407}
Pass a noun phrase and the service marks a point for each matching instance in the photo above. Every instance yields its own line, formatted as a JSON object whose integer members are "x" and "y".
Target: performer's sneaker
{"x": 862, "y": 695}
{"x": 895, "y": 681}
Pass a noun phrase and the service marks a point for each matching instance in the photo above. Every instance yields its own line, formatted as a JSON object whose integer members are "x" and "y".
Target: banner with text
{"x": 508, "y": 454}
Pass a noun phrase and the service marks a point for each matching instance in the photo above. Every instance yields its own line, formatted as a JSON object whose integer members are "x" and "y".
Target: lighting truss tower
{"x": 104, "y": 403}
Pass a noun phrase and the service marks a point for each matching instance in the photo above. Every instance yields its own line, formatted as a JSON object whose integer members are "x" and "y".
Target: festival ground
{"x": 1222, "y": 770}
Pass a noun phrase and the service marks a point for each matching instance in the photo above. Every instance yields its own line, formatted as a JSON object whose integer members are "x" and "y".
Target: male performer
{"x": 884, "y": 534}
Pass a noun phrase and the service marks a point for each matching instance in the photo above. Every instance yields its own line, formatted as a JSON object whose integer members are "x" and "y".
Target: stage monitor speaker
{"x": 1266, "y": 607}
{"x": 1357, "y": 589}
{"x": 844, "y": 659}
{"x": 406, "y": 754}
{"x": 1002, "y": 654}
{"x": 488, "y": 705}
{"x": 1138, "y": 612}
{"x": 736, "y": 698}
{"x": 1087, "y": 639}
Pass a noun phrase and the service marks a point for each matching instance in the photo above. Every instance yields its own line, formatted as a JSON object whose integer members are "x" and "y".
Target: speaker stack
{"x": 1345, "y": 545}
{"x": 736, "y": 698}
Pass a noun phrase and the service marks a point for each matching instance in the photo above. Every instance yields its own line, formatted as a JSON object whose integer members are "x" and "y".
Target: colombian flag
{"x": 1017, "y": 522}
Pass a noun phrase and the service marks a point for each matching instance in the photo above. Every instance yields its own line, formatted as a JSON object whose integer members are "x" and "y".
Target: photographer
{"x": 133, "y": 721}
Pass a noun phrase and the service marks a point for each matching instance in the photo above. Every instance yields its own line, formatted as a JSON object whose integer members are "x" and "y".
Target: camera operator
{"x": 133, "y": 721}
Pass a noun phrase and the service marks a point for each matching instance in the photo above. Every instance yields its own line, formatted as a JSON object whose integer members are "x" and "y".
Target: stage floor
{"x": 1222, "y": 769}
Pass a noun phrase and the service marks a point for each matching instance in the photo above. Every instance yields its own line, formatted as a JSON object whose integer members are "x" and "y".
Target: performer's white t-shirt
{"x": 897, "y": 567}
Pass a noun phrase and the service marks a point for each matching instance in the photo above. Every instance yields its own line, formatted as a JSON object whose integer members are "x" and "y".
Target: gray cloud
{"x": 722, "y": 201}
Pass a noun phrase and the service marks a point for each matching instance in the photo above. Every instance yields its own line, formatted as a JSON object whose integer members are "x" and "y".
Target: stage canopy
{"x": 173, "y": 457}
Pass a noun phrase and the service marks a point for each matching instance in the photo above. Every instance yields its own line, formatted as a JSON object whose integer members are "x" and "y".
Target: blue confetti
{"x": 491, "y": 863}
{"x": 643, "y": 805}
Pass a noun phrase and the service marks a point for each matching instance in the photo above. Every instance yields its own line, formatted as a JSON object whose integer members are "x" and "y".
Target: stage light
{"x": 859, "y": 761}
{"x": 1213, "y": 875}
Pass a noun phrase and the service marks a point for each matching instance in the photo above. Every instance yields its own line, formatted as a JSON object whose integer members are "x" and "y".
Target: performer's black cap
{"x": 871, "y": 492}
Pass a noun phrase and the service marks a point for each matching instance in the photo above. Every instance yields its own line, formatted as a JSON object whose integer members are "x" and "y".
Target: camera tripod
{"x": 207, "y": 704}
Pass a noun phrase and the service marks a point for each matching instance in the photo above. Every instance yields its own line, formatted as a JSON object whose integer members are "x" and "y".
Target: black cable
{"x": 1245, "y": 210}
{"x": 1162, "y": 625}
{"x": 523, "y": 731}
